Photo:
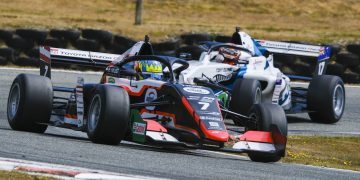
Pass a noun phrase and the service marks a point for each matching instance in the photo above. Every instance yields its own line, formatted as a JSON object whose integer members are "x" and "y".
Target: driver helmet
{"x": 149, "y": 69}
{"x": 230, "y": 55}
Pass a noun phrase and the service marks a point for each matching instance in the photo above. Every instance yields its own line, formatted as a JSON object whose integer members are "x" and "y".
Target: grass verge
{"x": 334, "y": 152}
{"x": 323, "y": 151}
{"x": 310, "y": 20}
{"x": 14, "y": 175}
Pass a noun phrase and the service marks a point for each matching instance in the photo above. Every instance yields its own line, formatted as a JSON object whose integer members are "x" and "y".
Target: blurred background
{"x": 177, "y": 26}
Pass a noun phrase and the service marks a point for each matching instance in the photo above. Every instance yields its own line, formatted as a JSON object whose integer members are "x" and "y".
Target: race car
{"x": 139, "y": 99}
{"x": 246, "y": 65}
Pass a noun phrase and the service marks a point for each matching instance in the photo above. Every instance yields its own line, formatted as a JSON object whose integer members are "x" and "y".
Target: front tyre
{"x": 326, "y": 99}
{"x": 245, "y": 93}
{"x": 271, "y": 118}
{"x": 30, "y": 103}
{"x": 108, "y": 115}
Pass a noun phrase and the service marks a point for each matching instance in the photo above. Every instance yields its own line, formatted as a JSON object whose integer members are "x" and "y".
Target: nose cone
{"x": 215, "y": 135}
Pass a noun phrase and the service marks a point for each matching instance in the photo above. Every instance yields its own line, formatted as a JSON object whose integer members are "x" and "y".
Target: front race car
{"x": 159, "y": 112}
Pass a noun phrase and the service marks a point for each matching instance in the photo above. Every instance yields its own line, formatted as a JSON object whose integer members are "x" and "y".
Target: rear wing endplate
{"x": 322, "y": 53}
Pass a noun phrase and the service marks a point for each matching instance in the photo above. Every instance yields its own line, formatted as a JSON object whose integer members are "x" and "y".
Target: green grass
{"x": 308, "y": 20}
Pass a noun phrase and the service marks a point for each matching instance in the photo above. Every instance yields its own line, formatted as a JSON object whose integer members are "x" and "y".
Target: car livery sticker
{"x": 150, "y": 95}
{"x": 139, "y": 128}
{"x": 196, "y": 90}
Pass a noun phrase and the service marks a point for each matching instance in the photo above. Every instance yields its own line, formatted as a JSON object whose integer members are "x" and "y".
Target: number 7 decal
{"x": 205, "y": 105}
{"x": 321, "y": 68}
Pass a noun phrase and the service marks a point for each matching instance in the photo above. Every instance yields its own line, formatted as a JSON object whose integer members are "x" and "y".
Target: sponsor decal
{"x": 193, "y": 98}
{"x": 223, "y": 97}
{"x": 224, "y": 70}
{"x": 111, "y": 80}
{"x": 207, "y": 99}
{"x": 209, "y": 113}
{"x": 139, "y": 128}
{"x": 258, "y": 62}
{"x": 196, "y": 90}
{"x": 112, "y": 70}
{"x": 221, "y": 78}
{"x": 54, "y": 51}
{"x": 211, "y": 118}
{"x": 150, "y": 95}
{"x": 215, "y": 124}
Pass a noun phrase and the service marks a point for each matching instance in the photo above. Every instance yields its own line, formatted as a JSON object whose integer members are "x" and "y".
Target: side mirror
{"x": 127, "y": 72}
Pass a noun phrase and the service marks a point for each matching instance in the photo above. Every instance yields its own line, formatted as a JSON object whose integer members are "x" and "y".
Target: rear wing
{"x": 50, "y": 55}
{"x": 322, "y": 53}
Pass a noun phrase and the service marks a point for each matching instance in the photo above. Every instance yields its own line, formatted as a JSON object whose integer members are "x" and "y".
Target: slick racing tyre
{"x": 33, "y": 34}
{"x": 271, "y": 118}
{"x": 30, "y": 103}
{"x": 19, "y": 43}
{"x": 98, "y": 35}
{"x": 348, "y": 59}
{"x": 67, "y": 34}
{"x": 108, "y": 115}
{"x": 192, "y": 39}
{"x": 6, "y": 34}
{"x": 8, "y": 54}
{"x": 354, "y": 48}
{"x": 326, "y": 99}
{"x": 195, "y": 52}
{"x": 335, "y": 69}
{"x": 54, "y": 42}
{"x": 87, "y": 45}
{"x": 3, "y": 61}
{"x": 223, "y": 39}
{"x": 245, "y": 93}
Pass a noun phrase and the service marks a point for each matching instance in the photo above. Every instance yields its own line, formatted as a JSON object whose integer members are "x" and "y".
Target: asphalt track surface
{"x": 62, "y": 146}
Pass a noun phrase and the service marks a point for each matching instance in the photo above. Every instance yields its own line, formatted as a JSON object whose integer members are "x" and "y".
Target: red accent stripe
{"x": 222, "y": 136}
{"x": 47, "y": 48}
{"x": 131, "y": 93}
{"x": 257, "y": 136}
{"x": 44, "y": 58}
{"x": 71, "y": 116}
{"x": 154, "y": 126}
{"x": 69, "y": 173}
{"x": 216, "y": 135}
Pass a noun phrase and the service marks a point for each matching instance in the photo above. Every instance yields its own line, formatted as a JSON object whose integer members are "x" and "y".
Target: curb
{"x": 62, "y": 171}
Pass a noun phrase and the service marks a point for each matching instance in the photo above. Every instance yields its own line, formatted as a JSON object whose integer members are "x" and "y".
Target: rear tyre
{"x": 271, "y": 118}
{"x": 245, "y": 93}
{"x": 326, "y": 99}
{"x": 108, "y": 115}
{"x": 30, "y": 103}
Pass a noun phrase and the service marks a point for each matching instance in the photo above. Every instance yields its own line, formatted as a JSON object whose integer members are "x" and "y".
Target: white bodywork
{"x": 255, "y": 69}
{"x": 277, "y": 89}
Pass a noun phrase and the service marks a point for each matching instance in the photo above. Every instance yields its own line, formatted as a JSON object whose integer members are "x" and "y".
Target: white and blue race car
{"x": 244, "y": 68}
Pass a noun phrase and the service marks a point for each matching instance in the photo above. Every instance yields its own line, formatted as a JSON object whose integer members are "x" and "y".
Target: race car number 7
{"x": 321, "y": 68}
{"x": 205, "y": 105}
{"x": 46, "y": 70}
